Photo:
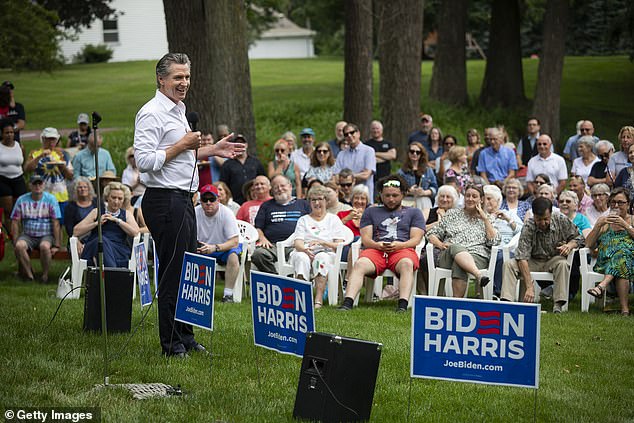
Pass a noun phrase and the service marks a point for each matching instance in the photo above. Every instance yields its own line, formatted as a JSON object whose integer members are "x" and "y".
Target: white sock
{"x": 228, "y": 291}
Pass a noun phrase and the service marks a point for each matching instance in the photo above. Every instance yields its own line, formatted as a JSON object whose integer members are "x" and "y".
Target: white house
{"x": 139, "y": 33}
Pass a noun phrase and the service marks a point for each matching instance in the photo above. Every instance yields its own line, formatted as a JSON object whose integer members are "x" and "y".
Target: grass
{"x": 586, "y": 358}
{"x": 291, "y": 94}
{"x": 585, "y": 366}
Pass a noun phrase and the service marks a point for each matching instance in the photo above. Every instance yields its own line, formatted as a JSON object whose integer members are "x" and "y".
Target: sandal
{"x": 597, "y": 291}
{"x": 318, "y": 305}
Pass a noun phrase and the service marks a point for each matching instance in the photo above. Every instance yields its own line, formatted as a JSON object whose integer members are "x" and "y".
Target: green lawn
{"x": 586, "y": 358}
{"x": 585, "y": 366}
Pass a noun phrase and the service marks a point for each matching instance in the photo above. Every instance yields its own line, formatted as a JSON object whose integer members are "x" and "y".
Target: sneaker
{"x": 401, "y": 310}
{"x": 344, "y": 307}
{"x": 227, "y": 299}
{"x": 557, "y": 307}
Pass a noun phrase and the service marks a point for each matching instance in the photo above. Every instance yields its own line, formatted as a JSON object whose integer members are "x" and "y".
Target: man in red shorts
{"x": 389, "y": 234}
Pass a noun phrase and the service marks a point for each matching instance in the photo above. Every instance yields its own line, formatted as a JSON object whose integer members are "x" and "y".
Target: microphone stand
{"x": 96, "y": 118}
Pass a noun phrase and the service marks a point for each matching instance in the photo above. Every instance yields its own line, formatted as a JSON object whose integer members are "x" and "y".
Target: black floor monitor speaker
{"x": 337, "y": 379}
{"x": 118, "y": 300}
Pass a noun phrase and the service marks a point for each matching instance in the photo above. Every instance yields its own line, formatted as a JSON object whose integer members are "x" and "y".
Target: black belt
{"x": 172, "y": 190}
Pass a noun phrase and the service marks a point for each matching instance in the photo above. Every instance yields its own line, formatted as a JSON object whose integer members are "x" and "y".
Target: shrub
{"x": 90, "y": 53}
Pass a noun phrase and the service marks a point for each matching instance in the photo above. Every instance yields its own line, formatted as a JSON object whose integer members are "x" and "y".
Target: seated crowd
{"x": 461, "y": 199}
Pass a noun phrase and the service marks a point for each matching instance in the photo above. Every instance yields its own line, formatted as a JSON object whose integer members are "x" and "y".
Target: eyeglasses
{"x": 415, "y": 152}
{"x": 350, "y": 133}
{"x": 208, "y": 199}
{"x": 347, "y": 184}
{"x": 618, "y": 203}
{"x": 605, "y": 155}
{"x": 323, "y": 151}
{"x": 565, "y": 201}
{"x": 280, "y": 150}
{"x": 600, "y": 194}
{"x": 424, "y": 120}
{"x": 314, "y": 200}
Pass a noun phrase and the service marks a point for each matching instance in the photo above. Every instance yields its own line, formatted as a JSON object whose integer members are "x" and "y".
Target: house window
{"x": 110, "y": 31}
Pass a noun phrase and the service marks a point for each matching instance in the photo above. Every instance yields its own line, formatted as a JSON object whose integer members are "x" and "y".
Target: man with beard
{"x": 276, "y": 221}
{"x": 389, "y": 234}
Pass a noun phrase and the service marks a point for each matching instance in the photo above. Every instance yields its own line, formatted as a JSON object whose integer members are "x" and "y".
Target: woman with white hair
{"x": 117, "y": 224}
{"x": 599, "y": 207}
{"x": 568, "y": 203}
{"x": 352, "y": 219}
{"x": 546, "y": 191}
{"x": 447, "y": 199}
{"x": 316, "y": 238}
{"x": 513, "y": 191}
{"x": 507, "y": 224}
{"x": 582, "y": 165}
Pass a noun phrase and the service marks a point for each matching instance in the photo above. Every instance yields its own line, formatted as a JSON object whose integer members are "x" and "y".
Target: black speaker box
{"x": 119, "y": 285}
{"x": 337, "y": 379}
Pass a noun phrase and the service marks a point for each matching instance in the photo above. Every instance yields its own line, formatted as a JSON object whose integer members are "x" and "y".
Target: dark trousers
{"x": 169, "y": 215}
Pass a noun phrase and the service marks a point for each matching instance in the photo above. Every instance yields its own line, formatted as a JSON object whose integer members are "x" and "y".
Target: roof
{"x": 285, "y": 28}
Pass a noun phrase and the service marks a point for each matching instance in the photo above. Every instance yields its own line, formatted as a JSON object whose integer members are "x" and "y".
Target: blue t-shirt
{"x": 581, "y": 222}
{"x": 394, "y": 225}
{"x": 278, "y": 221}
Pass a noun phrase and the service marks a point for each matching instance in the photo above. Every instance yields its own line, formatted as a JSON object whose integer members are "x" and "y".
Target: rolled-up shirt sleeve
{"x": 147, "y": 133}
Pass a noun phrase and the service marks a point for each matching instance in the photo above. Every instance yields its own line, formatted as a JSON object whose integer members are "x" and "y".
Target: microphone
{"x": 192, "y": 119}
{"x": 96, "y": 118}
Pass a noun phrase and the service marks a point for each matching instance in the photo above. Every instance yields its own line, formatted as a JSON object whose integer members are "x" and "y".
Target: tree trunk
{"x": 357, "y": 88}
{"x": 214, "y": 35}
{"x": 503, "y": 83}
{"x": 400, "y": 36}
{"x": 551, "y": 65}
{"x": 449, "y": 76}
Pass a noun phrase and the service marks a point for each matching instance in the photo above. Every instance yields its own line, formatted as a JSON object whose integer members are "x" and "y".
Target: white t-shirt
{"x": 327, "y": 229}
{"x": 580, "y": 169}
{"x": 11, "y": 160}
{"x": 218, "y": 228}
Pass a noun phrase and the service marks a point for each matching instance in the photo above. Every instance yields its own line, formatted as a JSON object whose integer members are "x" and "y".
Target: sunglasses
{"x": 347, "y": 184}
{"x": 208, "y": 199}
{"x": 415, "y": 152}
{"x": 347, "y": 134}
{"x": 323, "y": 151}
{"x": 280, "y": 150}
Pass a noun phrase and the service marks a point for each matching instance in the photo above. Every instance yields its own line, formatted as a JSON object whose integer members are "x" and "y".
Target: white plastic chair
{"x": 374, "y": 287}
{"x": 285, "y": 269}
{"x": 77, "y": 268}
{"x": 589, "y": 279}
{"x": 248, "y": 237}
{"x": 436, "y": 274}
{"x": 547, "y": 276}
{"x": 138, "y": 239}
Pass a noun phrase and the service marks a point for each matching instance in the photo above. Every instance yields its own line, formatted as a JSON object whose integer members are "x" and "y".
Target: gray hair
{"x": 600, "y": 189}
{"x": 586, "y": 140}
{"x": 603, "y": 143}
{"x": 513, "y": 181}
{"x": 361, "y": 190}
{"x": 317, "y": 191}
{"x": 570, "y": 195}
{"x": 163, "y": 65}
{"x": 547, "y": 187}
{"x": 85, "y": 180}
{"x": 494, "y": 192}
{"x": 378, "y": 122}
{"x": 450, "y": 190}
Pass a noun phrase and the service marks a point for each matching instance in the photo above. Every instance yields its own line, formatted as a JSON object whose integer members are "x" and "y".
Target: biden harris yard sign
{"x": 196, "y": 291}
{"x": 282, "y": 312}
{"x": 476, "y": 341}
{"x": 142, "y": 275}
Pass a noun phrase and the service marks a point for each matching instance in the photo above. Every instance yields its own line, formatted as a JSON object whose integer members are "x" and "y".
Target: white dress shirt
{"x": 158, "y": 125}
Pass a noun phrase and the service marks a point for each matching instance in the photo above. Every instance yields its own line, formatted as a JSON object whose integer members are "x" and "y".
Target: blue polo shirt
{"x": 497, "y": 164}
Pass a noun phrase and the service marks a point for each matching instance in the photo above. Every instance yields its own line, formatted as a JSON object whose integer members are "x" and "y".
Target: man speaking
{"x": 164, "y": 149}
